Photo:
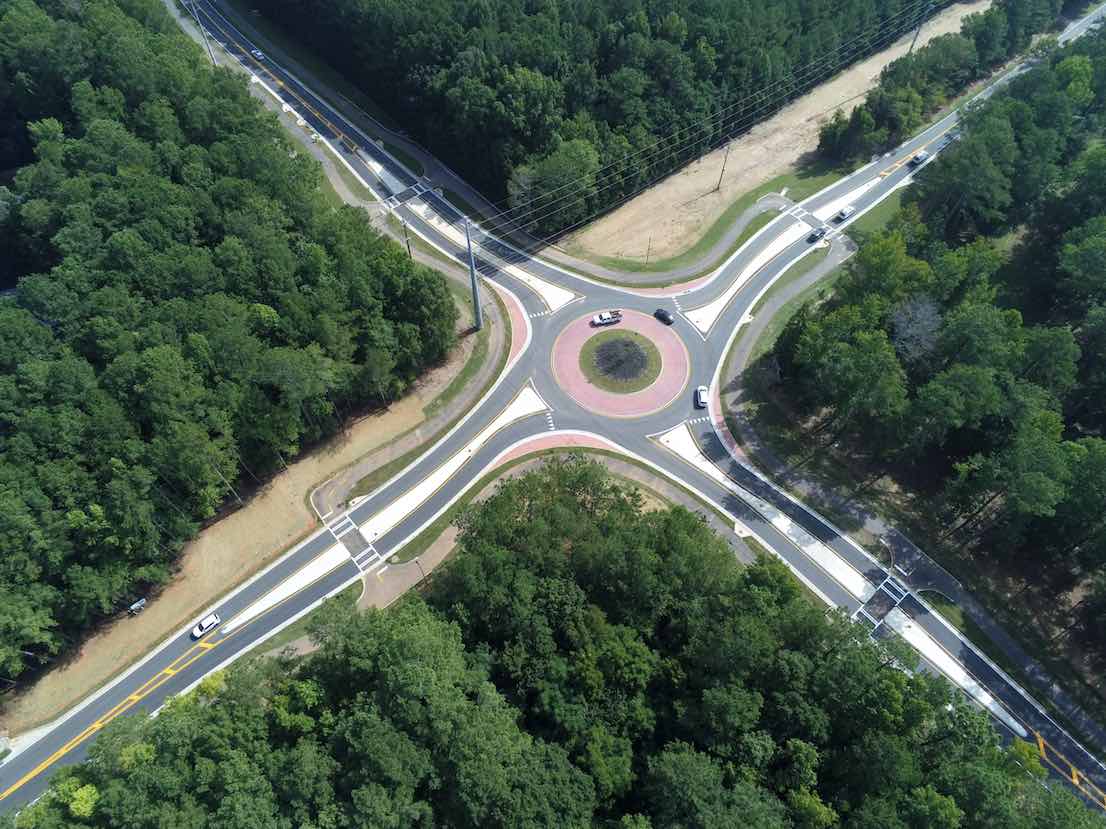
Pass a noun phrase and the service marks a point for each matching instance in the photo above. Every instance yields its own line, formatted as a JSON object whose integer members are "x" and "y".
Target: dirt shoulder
{"x": 676, "y": 212}
{"x": 232, "y": 549}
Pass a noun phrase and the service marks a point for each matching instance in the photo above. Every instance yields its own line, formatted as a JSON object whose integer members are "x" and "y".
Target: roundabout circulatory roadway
{"x": 532, "y": 405}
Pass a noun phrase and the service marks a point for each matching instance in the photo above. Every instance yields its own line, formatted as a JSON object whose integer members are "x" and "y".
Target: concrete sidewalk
{"x": 912, "y": 565}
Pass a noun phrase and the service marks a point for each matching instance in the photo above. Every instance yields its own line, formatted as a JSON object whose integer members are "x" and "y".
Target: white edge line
{"x": 47, "y": 728}
{"x": 849, "y": 540}
{"x": 51, "y": 726}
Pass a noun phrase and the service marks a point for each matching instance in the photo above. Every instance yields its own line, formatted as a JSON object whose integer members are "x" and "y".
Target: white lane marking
{"x": 705, "y": 316}
{"x": 527, "y": 403}
{"x": 310, "y": 572}
{"x": 834, "y": 207}
{"x": 552, "y": 295}
{"x": 681, "y": 443}
{"x": 937, "y": 656}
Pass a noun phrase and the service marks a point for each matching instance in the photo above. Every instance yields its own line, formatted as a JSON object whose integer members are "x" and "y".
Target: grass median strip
{"x": 800, "y": 183}
{"x": 272, "y": 37}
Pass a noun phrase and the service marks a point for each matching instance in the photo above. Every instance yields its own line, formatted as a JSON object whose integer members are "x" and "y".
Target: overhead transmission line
{"x": 727, "y": 122}
{"x": 753, "y": 107}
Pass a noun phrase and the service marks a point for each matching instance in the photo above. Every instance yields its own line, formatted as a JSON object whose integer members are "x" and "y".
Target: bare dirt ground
{"x": 676, "y": 212}
{"x": 225, "y": 554}
{"x": 232, "y": 549}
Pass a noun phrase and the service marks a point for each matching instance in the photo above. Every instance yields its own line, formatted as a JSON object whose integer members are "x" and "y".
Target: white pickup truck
{"x": 607, "y": 317}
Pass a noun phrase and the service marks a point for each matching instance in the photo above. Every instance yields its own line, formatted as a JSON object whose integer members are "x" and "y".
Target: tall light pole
{"x": 477, "y": 314}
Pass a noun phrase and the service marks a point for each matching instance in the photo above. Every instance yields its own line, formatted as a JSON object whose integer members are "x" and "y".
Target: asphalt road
{"x": 180, "y": 662}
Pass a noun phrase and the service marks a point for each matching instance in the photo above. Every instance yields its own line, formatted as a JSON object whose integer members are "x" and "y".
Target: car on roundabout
{"x": 205, "y": 625}
{"x": 611, "y": 317}
{"x": 664, "y": 315}
{"x": 702, "y": 397}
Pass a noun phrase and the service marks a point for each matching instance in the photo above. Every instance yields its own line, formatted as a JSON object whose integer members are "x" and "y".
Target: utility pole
{"x": 725, "y": 158}
{"x": 918, "y": 31}
{"x": 407, "y": 239}
{"x": 477, "y": 314}
{"x": 648, "y": 250}
{"x": 203, "y": 32}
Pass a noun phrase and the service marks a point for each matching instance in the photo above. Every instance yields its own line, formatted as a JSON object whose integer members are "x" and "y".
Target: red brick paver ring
{"x": 672, "y": 380}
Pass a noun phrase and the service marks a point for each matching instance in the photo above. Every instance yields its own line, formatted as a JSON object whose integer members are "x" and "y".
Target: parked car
{"x": 919, "y": 158}
{"x": 845, "y": 212}
{"x": 607, "y": 317}
{"x": 817, "y": 236}
{"x": 664, "y": 315}
{"x": 701, "y": 397}
{"x": 205, "y": 624}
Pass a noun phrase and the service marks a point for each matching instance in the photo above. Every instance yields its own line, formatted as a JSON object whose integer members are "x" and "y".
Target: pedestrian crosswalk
{"x": 367, "y": 558}
{"x": 697, "y": 420}
{"x": 342, "y": 525}
{"x": 537, "y": 314}
{"x": 370, "y": 560}
{"x": 549, "y": 420}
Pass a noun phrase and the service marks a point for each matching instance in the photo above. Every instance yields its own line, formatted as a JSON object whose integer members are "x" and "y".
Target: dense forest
{"x": 915, "y": 85}
{"x": 979, "y": 375}
{"x": 189, "y": 309}
{"x": 575, "y": 105}
{"x": 578, "y": 663}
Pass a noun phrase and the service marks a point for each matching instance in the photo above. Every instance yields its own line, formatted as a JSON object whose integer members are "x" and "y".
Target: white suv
{"x": 205, "y": 624}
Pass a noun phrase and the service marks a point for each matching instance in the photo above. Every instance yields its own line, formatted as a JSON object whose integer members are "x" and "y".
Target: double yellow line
{"x": 1063, "y": 766}
{"x": 906, "y": 159}
{"x": 262, "y": 69}
{"x": 152, "y": 684}
{"x": 144, "y": 690}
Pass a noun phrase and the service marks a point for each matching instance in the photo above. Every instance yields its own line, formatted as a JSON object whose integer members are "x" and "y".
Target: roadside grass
{"x": 956, "y": 617}
{"x": 465, "y": 206}
{"x": 383, "y": 473}
{"x": 419, "y": 243}
{"x": 271, "y": 37}
{"x": 471, "y": 366}
{"x": 797, "y": 271}
{"x": 420, "y": 543}
{"x": 876, "y": 219}
{"x": 357, "y": 188}
{"x": 588, "y": 362}
{"x": 792, "y": 441}
{"x": 801, "y": 183}
{"x": 347, "y": 598}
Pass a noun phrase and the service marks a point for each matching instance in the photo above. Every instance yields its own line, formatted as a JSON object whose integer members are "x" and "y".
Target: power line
{"x": 727, "y": 125}
{"x": 817, "y": 65}
{"x": 504, "y": 221}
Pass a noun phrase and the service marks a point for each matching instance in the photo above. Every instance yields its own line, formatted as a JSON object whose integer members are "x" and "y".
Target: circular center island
{"x": 630, "y": 369}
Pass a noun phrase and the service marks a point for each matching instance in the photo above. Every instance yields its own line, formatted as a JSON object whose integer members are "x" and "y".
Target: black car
{"x": 664, "y": 316}
{"x": 817, "y": 235}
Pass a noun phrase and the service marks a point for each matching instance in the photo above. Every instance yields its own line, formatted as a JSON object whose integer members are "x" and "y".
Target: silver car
{"x": 702, "y": 397}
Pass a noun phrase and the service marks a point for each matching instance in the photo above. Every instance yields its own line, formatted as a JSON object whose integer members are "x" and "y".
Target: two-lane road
{"x": 527, "y": 402}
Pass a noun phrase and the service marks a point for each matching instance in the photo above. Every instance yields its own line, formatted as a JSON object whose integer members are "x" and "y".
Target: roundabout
{"x": 631, "y": 370}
